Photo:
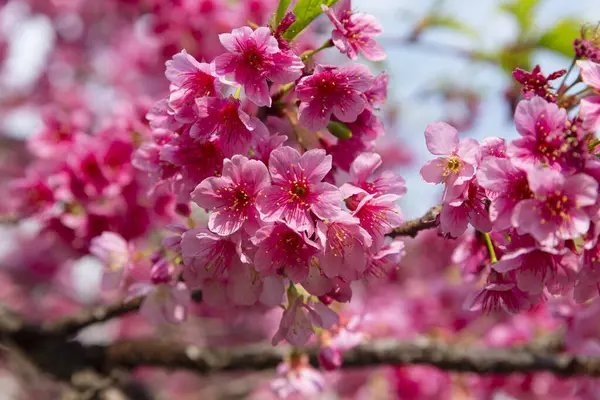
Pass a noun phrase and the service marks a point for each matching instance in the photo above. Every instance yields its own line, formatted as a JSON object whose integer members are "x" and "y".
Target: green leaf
{"x": 560, "y": 37}
{"x": 306, "y": 11}
{"x": 281, "y": 10}
{"x": 339, "y": 130}
{"x": 445, "y": 21}
{"x": 522, "y": 10}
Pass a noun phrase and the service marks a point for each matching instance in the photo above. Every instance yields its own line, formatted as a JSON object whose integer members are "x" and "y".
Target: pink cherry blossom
{"x": 116, "y": 255}
{"x": 189, "y": 80}
{"x": 253, "y": 58}
{"x": 499, "y": 293}
{"x": 377, "y": 93}
{"x": 231, "y": 198}
{"x": 590, "y": 105}
{"x": 362, "y": 169}
{"x": 344, "y": 244}
{"x": 297, "y": 379}
{"x": 506, "y": 186}
{"x": 297, "y": 190}
{"x": 280, "y": 249}
{"x": 378, "y": 215}
{"x": 224, "y": 120}
{"x": 557, "y": 211}
{"x": 331, "y": 90}
{"x": 542, "y": 126}
{"x": 298, "y": 319}
{"x": 457, "y": 165}
{"x": 355, "y": 32}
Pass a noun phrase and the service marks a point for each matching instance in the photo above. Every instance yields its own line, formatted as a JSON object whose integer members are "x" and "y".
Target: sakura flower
{"x": 384, "y": 260}
{"x": 588, "y": 277}
{"x": 499, "y": 293}
{"x": 206, "y": 255}
{"x": 331, "y": 90}
{"x": 379, "y": 216}
{"x": 340, "y": 338}
{"x": 189, "y": 80}
{"x": 344, "y": 244}
{"x": 254, "y": 57}
{"x": 231, "y": 198}
{"x": 377, "y": 93}
{"x": 491, "y": 147}
{"x": 61, "y": 130}
{"x": 225, "y": 120}
{"x": 164, "y": 301}
{"x": 542, "y": 126}
{"x": 457, "y": 165}
{"x": 281, "y": 249}
{"x": 557, "y": 211}
{"x": 362, "y": 169}
{"x": 355, "y": 32}
{"x": 116, "y": 255}
{"x": 589, "y": 106}
{"x": 506, "y": 186}
{"x": 297, "y": 190}
{"x": 296, "y": 325}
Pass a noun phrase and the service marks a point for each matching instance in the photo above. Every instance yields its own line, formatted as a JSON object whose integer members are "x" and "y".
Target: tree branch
{"x": 413, "y": 227}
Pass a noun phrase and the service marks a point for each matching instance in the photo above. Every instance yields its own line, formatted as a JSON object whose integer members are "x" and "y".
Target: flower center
{"x": 452, "y": 166}
{"x": 254, "y": 58}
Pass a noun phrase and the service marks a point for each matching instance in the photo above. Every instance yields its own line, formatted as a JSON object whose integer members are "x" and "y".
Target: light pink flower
{"x": 384, "y": 260}
{"x": 355, "y": 32}
{"x": 231, "y": 198}
{"x": 542, "y": 126}
{"x": 589, "y": 107}
{"x": 116, "y": 255}
{"x": 491, "y": 147}
{"x": 165, "y": 301}
{"x": 361, "y": 170}
{"x": 296, "y": 379}
{"x": 296, "y": 325}
{"x": 378, "y": 215}
{"x": 331, "y": 90}
{"x": 253, "y": 58}
{"x": 588, "y": 277}
{"x": 281, "y": 249}
{"x": 297, "y": 190}
{"x": 345, "y": 245}
{"x": 457, "y": 165}
{"x": 377, "y": 93}
{"x": 224, "y": 120}
{"x": 506, "y": 186}
{"x": 557, "y": 211}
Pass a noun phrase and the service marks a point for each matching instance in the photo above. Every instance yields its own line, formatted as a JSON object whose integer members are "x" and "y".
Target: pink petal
{"x": 433, "y": 170}
{"x": 441, "y": 138}
{"x": 315, "y": 164}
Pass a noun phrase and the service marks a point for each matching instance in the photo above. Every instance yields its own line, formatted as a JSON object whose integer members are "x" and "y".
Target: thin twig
{"x": 413, "y": 227}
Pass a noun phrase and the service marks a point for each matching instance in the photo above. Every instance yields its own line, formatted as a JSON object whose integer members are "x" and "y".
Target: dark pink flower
{"x": 253, "y": 58}
{"x": 534, "y": 83}
{"x": 457, "y": 165}
{"x": 283, "y": 250}
{"x": 362, "y": 169}
{"x": 468, "y": 208}
{"x": 331, "y": 90}
{"x": 506, "y": 186}
{"x": 345, "y": 245}
{"x": 189, "y": 80}
{"x": 542, "y": 126}
{"x": 231, "y": 198}
{"x": 60, "y": 132}
{"x": 377, "y": 93}
{"x": 588, "y": 277}
{"x": 355, "y": 32}
{"x": 378, "y": 215}
{"x": 297, "y": 190}
{"x": 492, "y": 147}
{"x": 224, "y": 121}
{"x": 499, "y": 293}
{"x": 557, "y": 211}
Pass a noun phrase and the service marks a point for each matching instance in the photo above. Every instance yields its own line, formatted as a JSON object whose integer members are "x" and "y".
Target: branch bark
{"x": 413, "y": 227}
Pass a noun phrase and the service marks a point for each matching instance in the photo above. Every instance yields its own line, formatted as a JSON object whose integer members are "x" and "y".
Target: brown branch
{"x": 413, "y": 227}
{"x": 131, "y": 354}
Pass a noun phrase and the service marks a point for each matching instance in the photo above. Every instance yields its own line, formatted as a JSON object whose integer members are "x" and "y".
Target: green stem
{"x": 307, "y": 55}
{"x": 490, "y": 246}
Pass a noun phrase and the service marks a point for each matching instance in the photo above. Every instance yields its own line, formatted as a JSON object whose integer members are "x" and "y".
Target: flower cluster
{"x": 533, "y": 201}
